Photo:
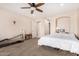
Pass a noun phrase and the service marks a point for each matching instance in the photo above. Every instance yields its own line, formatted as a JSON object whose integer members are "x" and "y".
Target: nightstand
{"x": 28, "y": 36}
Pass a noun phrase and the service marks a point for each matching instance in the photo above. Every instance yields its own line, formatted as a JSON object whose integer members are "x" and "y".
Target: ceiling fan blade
{"x": 25, "y": 7}
{"x": 39, "y": 4}
{"x": 39, "y": 10}
{"x": 32, "y": 11}
{"x": 30, "y": 4}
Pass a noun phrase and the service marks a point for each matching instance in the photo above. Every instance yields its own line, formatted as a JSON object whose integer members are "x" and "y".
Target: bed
{"x": 63, "y": 38}
{"x": 62, "y": 41}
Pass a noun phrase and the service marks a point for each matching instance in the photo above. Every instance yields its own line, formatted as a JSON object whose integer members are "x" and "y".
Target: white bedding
{"x": 62, "y": 41}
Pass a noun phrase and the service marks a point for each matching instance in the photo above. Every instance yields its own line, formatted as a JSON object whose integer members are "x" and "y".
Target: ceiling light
{"x": 61, "y": 4}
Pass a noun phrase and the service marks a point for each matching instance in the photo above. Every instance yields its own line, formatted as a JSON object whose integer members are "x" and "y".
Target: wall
{"x": 78, "y": 22}
{"x": 74, "y": 17}
{"x": 63, "y": 23}
{"x": 26, "y": 24}
{"x": 74, "y": 21}
{"x": 8, "y": 29}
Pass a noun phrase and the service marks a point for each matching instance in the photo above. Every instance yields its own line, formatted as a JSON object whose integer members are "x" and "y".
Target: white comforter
{"x": 63, "y": 41}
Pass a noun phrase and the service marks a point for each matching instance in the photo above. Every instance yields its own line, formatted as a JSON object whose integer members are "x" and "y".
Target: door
{"x": 37, "y": 29}
{"x": 40, "y": 29}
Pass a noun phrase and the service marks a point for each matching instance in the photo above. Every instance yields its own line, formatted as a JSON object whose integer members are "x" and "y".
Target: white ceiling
{"x": 49, "y": 9}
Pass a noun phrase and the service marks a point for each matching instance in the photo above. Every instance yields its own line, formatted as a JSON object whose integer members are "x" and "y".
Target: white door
{"x": 46, "y": 27}
{"x": 40, "y": 29}
{"x": 37, "y": 29}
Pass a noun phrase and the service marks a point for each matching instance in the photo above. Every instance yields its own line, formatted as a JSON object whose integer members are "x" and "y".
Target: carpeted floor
{"x": 30, "y": 48}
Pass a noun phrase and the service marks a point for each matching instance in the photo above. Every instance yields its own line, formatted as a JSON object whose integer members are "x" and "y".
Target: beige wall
{"x": 8, "y": 29}
{"x": 78, "y": 23}
{"x": 28, "y": 25}
{"x": 70, "y": 14}
{"x": 74, "y": 21}
{"x": 63, "y": 23}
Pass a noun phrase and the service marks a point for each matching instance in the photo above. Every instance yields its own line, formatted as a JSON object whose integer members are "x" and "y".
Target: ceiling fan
{"x": 35, "y": 6}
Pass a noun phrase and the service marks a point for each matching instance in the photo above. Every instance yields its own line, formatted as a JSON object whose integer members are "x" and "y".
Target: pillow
{"x": 60, "y": 30}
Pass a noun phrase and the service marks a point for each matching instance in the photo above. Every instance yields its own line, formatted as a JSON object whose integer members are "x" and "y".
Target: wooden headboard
{"x": 63, "y": 23}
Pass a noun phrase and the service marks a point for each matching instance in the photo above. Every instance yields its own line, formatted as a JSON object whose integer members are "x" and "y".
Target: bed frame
{"x": 10, "y": 41}
{"x": 69, "y": 31}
